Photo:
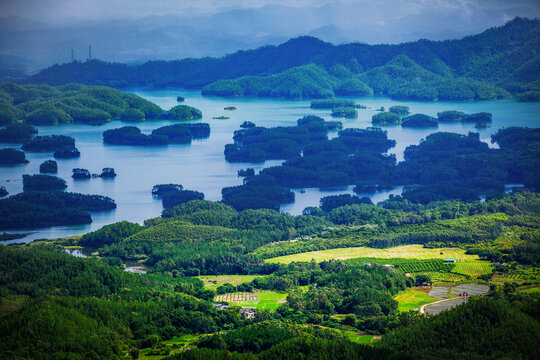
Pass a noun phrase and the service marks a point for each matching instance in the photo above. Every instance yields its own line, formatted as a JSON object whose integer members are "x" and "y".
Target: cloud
{"x": 51, "y": 11}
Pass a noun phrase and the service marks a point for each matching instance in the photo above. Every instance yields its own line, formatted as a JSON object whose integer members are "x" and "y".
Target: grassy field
{"x": 359, "y": 338}
{"x": 214, "y": 281}
{"x": 261, "y": 299}
{"x": 172, "y": 346}
{"x": 355, "y": 336}
{"x": 405, "y": 252}
{"x": 413, "y": 299}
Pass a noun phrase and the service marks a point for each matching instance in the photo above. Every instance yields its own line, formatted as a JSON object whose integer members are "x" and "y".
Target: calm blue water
{"x": 201, "y": 165}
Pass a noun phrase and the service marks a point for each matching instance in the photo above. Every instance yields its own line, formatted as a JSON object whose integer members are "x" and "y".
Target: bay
{"x": 201, "y": 165}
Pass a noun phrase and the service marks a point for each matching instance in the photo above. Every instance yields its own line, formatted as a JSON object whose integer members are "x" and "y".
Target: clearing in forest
{"x": 212, "y": 282}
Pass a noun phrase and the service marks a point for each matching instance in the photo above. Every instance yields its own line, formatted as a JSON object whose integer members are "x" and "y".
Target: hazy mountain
{"x": 484, "y": 66}
{"x": 170, "y": 37}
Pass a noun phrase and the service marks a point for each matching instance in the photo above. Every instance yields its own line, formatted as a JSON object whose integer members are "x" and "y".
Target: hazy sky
{"x": 60, "y": 10}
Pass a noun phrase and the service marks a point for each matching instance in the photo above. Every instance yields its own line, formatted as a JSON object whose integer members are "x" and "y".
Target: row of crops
{"x": 473, "y": 268}
{"x": 436, "y": 269}
{"x": 409, "y": 265}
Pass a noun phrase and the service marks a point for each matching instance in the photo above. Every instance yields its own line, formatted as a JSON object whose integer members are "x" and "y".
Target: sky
{"x": 68, "y": 10}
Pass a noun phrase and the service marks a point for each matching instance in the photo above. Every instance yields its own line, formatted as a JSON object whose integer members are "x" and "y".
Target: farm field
{"x": 443, "y": 276}
{"x": 212, "y": 282}
{"x": 413, "y": 299}
{"x": 520, "y": 275}
{"x": 261, "y": 299}
{"x": 533, "y": 290}
{"x": 405, "y": 252}
{"x": 473, "y": 268}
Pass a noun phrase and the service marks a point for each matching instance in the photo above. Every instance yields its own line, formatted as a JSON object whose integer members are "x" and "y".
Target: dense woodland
{"x": 490, "y": 65}
{"x": 47, "y": 293}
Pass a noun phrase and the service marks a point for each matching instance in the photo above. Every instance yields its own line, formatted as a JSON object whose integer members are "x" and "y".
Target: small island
{"x": 332, "y": 104}
{"x": 454, "y": 116}
{"x": 230, "y": 108}
{"x": 221, "y": 117}
{"x": 49, "y": 143}
{"x": 131, "y": 135}
{"x": 180, "y": 98}
{"x": 42, "y": 182}
{"x": 48, "y": 167}
{"x": 183, "y": 112}
{"x": 345, "y": 112}
{"x": 79, "y": 173}
{"x": 17, "y": 133}
{"x": 107, "y": 173}
{"x": 67, "y": 153}
{"x": 419, "y": 121}
{"x": 385, "y": 118}
{"x": 12, "y": 157}
{"x": 174, "y": 194}
{"x": 37, "y": 209}
{"x": 399, "y": 109}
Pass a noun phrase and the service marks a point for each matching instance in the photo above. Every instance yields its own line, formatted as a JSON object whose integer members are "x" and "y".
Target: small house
{"x": 450, "y": 260}
{"x": 248, "y": 313}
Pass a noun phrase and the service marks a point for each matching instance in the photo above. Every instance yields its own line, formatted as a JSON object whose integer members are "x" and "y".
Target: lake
{"x": 201, "y": 165}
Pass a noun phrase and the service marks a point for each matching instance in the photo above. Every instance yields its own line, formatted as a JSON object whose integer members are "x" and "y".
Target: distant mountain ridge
{"x": 488, "y": 65}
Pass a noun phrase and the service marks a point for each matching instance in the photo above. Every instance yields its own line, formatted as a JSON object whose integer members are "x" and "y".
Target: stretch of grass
{"x": 359, "y": 338}
{"x": 355, "y": 336}
{"x": 413, "y": 299}
{"x": 212, "y": 282}
{"x": 172, "y": 346}
{"x": 405, "y": 252}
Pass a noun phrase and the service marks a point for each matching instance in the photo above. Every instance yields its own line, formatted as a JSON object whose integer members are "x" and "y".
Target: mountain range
{"x": 492, "y": 64}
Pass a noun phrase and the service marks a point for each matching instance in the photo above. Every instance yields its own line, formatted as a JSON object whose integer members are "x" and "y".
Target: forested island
{"x": 169, "y": 134}
{"x": 75, "y": 103}
{"x": 479, "y": 67}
